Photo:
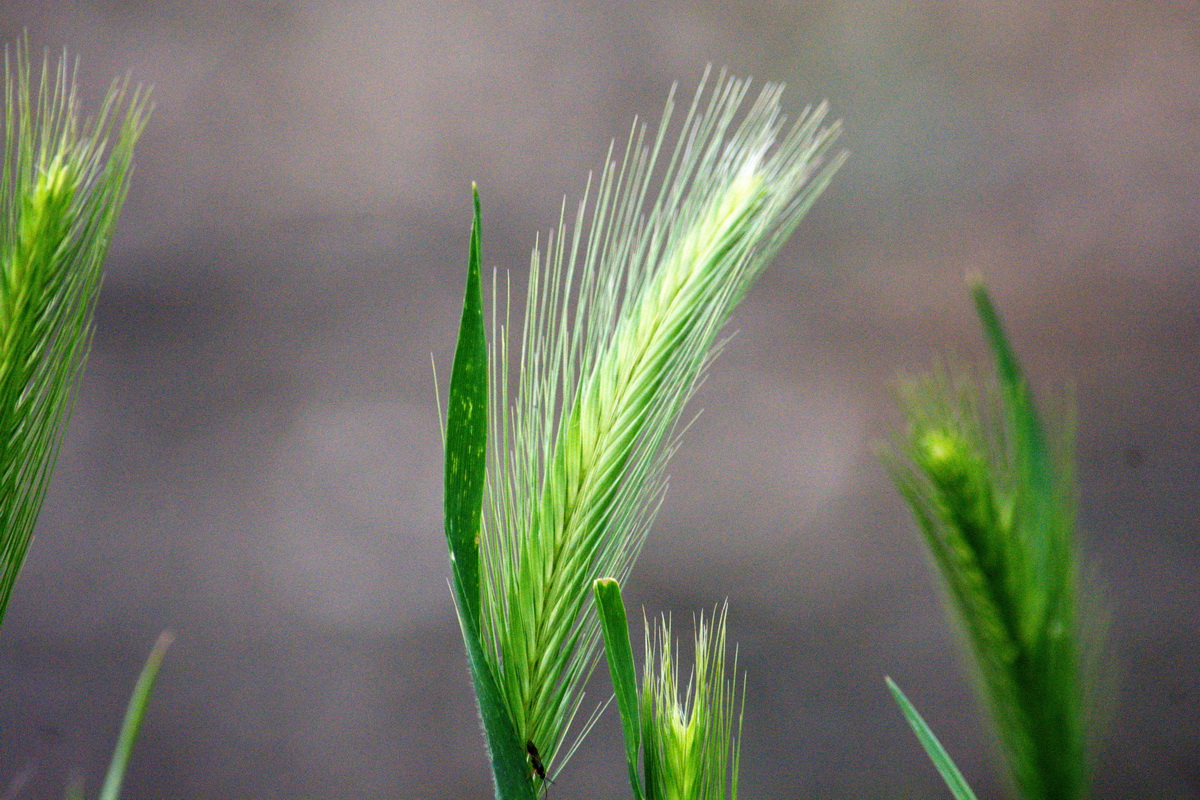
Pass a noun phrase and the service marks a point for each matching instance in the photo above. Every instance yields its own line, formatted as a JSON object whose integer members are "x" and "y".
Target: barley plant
{"x": 557, "y": 438}
{"x": 61, "y": 188}
{"x": 60, "y": 193}
{"x": 689, "y": 744}
{"x": 993, "y": 492}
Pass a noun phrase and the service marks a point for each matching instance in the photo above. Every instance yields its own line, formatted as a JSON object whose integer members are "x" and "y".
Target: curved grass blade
{"x": 619, "y": 651}
{"x": 133, "y": 717}
{"x": 933, "y": 748}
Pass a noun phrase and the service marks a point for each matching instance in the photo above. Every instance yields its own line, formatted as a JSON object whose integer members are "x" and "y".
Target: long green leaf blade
{"x": 134, "y": 714}
{"x": 933, "y": 748}
{"x": 466, "y": 452}
{"x": 466, "y": 436}
{"x": 619, "y": 651}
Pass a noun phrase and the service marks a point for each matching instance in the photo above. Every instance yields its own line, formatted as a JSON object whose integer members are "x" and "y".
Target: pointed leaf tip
{"x": 466, "y": 451}
{"x": 466, "y": 436}
{"x": 933, "y": 748}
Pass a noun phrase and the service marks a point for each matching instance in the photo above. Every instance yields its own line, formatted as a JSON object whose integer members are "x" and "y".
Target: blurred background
{"x": 254, "y": 457}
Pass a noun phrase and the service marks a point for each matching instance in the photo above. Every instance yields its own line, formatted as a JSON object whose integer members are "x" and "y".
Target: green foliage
{"x": 133, "y": 718}
{"x": 933, "y": 748}
{"x": 466, "y": 446}
{"x": 619, "y": 326}
{"x": 996, "y": 505}
{"x": 61, "y": 190}
{"x": 619, "y": 654}
{"x": 689, "y": 748}
{"x": 466, "y": 436}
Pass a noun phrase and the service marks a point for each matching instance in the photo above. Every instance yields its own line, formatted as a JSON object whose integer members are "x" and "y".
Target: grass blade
{"x": 933, "y": 748}
{"x": 466, "y": 452}
{"x": 133, "y": 717}
{"x": 466, "y": 436}
{"x": 619, "y": 651}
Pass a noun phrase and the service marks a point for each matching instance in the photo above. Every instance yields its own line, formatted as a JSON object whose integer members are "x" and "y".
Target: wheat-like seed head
{"x": 691, "y": 748}
{"x": 61, "y": 188}
{"x": 622, "y": 316}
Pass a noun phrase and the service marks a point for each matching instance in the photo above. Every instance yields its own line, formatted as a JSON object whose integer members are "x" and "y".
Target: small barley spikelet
{"x": 690, "y": 746}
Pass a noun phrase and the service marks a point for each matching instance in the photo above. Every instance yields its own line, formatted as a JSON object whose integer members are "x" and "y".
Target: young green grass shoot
{"x": 993, "y": 492}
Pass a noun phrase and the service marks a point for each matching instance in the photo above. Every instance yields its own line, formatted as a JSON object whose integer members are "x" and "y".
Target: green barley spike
{"x": 691, "y": 749}
{"x": 61, "y": 189}
{"x": 622, "y": 317}
{"x": 994, "y": 496}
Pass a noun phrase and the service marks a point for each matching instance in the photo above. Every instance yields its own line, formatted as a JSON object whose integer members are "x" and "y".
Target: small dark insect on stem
{"x": 535, "y": 761}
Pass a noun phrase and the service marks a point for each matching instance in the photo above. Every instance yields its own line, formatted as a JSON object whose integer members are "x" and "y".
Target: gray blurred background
{"x": 254, "y": 457}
